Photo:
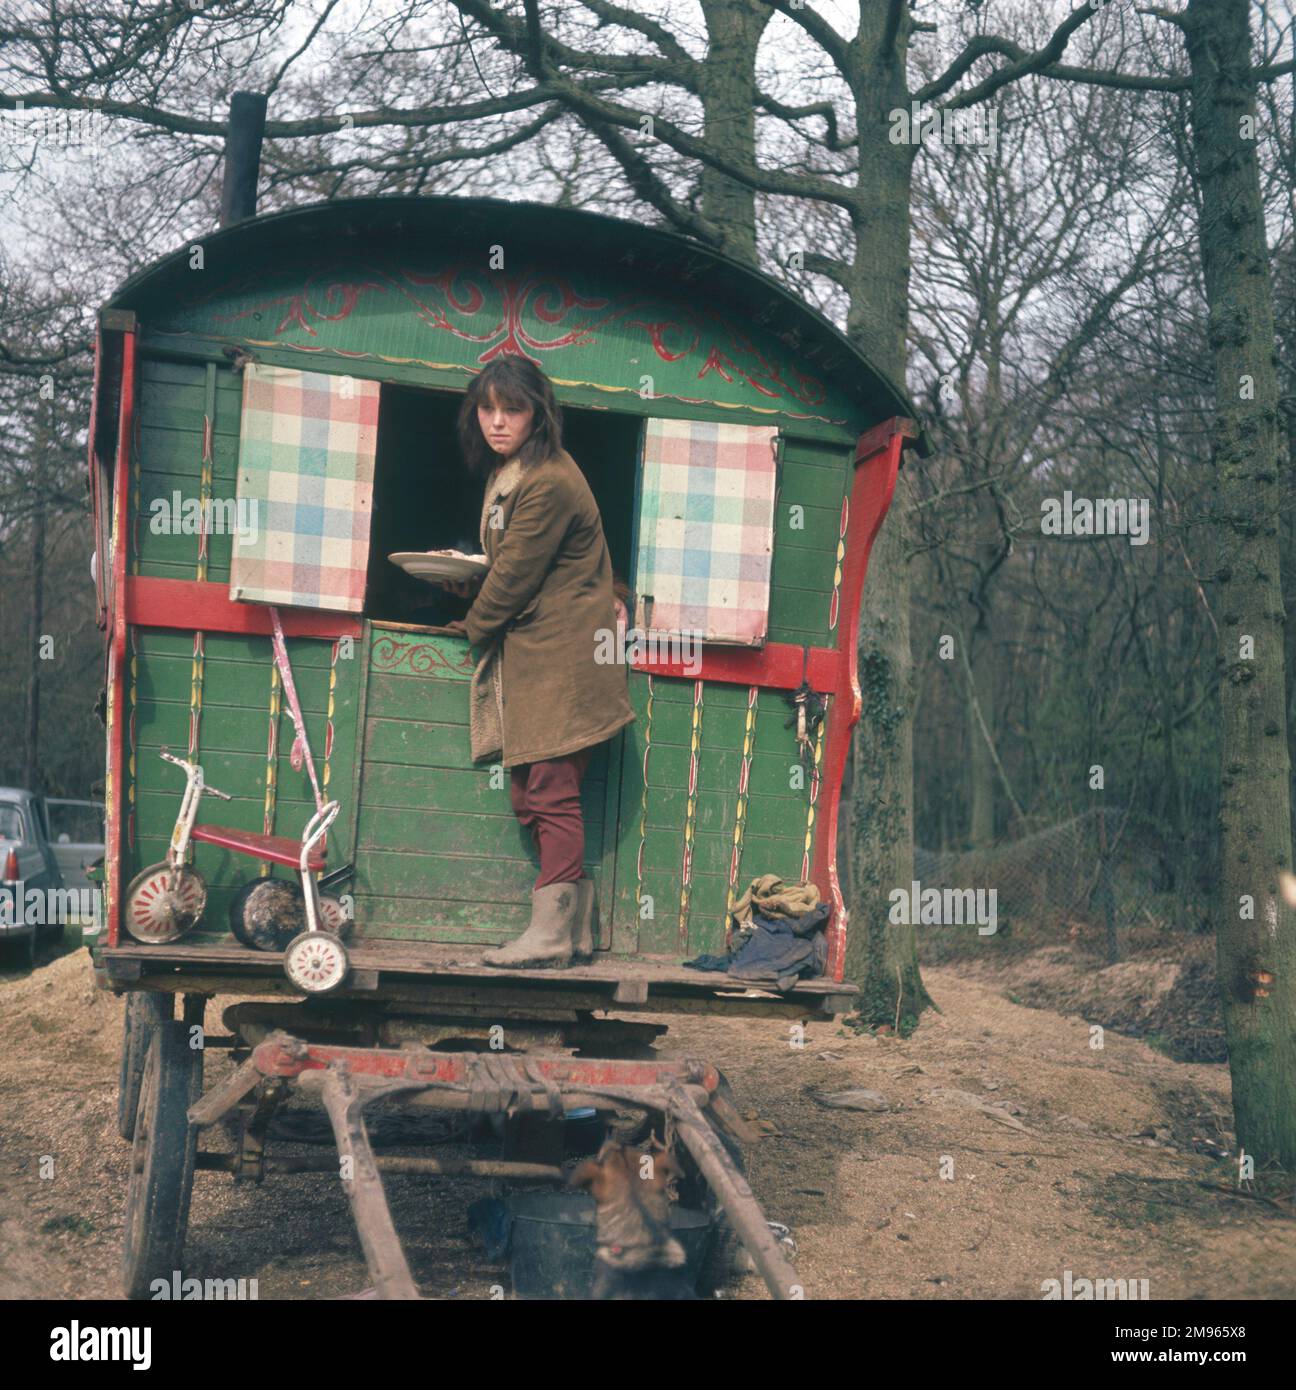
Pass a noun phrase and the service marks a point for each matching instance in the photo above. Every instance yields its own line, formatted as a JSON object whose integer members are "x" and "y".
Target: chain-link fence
{"x": 1101, "y": 869}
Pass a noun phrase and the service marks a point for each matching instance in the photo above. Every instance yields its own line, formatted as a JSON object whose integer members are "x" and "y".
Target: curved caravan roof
{"x": 444, "y": 284}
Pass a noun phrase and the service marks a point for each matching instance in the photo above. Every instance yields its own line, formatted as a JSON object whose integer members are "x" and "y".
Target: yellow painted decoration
{"x": 690, "y": 814}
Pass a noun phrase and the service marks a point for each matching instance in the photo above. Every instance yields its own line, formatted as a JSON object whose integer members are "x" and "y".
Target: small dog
{"x": 637, "y": 1256}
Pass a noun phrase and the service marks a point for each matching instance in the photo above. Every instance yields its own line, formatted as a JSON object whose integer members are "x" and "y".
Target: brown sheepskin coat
{"x": 539, "y": 691}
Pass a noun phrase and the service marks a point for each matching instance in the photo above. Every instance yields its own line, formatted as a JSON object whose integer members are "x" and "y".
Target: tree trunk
{"x": 878, "y": 854}
{"x": 31, "y": 760}
{"x": 982, "y": 775}
{"x": 727, "y": 82}
{"x": 1256, "y": 948}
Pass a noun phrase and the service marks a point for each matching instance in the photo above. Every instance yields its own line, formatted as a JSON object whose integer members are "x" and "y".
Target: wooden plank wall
{"x": 218, "y": 697}
{"x": 731, "y": 744}
{"x": 440, "y": 855}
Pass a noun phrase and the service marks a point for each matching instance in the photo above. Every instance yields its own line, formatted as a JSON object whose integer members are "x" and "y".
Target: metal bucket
{"x": 553, "y": 1246}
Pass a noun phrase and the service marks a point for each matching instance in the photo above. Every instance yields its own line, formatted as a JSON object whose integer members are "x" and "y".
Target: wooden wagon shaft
{"x": 378, "y": 1238}
{"x": 220, "y": 1100}
{"x": 441, "y": 1167}
{"x": 429, "y": 1091}
{"x": 735, "y": 1196}
{"x": 643, "y": 1099}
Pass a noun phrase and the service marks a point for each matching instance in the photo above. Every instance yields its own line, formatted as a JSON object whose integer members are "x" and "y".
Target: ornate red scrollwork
{"x": 389, "y": 653}
{"x": 534, "y": 314}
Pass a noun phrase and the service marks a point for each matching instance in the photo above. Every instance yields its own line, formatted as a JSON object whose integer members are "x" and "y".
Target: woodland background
{"x": 1054, "y": 304}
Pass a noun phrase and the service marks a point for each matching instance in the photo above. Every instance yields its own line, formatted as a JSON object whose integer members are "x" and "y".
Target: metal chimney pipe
{"x": 243, "y": 136}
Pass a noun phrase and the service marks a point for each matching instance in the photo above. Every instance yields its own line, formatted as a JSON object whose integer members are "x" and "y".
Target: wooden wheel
{"x": 162, "y": 1161}
{"x": 144, "y": 1011}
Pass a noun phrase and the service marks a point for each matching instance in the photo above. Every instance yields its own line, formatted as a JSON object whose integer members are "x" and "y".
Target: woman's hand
{"x": 456, "y": 626}
{"x": 460, "y": 588}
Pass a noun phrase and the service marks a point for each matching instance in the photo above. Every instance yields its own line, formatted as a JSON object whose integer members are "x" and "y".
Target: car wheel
{"x": 21, "y": 954}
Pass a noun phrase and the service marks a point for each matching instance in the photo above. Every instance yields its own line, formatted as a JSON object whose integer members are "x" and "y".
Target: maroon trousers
{"x": 546, "y": 798}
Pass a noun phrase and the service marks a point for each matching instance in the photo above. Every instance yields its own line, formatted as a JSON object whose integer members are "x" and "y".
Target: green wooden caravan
{"x": 739, "y": 447}
{"x": 288, "y": 715}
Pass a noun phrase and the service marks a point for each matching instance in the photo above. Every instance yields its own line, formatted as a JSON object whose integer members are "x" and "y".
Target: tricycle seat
{"x": 278, "y": 849}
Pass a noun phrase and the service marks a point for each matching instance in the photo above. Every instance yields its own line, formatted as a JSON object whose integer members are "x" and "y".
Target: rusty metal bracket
{"x": 249, "y": 1163}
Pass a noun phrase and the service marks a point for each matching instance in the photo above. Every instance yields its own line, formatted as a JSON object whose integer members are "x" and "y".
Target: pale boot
{"x": 586, "y": 929}
{"x": 547, "y": 942}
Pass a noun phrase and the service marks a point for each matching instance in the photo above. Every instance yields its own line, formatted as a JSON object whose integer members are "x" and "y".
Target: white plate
{"x": 434, "y": 564}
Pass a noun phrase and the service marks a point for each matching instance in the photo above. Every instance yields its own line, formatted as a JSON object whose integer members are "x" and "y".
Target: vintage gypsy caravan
{"x": 274, "y": 416}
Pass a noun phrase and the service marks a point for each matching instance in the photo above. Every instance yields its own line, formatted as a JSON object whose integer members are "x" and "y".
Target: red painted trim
{"x": 192, "y": 604}
{"x": 875, "y": 440}
{"x": 775, "y": 664}
{"x": 877, "y": 462}
{"x": 275, "y": 1059}
{"x": 778, "y": 665}
{"x": 116, "y": 804}
{"x": 96, "y": 501}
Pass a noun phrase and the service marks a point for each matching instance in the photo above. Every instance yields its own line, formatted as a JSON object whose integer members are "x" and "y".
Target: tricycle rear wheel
{"x": 162, "y": 1161}
{"x": 144, "y": 1011}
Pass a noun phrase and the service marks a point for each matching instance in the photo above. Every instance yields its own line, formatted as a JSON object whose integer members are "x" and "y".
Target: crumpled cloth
{"x": 771, "y": 897}
{"x": 783, "y": 947}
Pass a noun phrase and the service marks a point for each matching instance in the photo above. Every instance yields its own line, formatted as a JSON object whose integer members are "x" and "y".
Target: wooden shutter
{"x": 305, "y": 480}
{"x": 706, "y": 530}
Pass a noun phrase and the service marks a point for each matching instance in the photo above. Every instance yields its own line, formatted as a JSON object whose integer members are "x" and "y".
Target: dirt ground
{"x": 1003, "y": 1150}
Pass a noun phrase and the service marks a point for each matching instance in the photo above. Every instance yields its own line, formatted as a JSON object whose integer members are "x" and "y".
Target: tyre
{"x": 266, "y": 913}
{"x": 20, "y": 954}
{"x": 162, "y": 1161}
{"x": 144, "y": 1011}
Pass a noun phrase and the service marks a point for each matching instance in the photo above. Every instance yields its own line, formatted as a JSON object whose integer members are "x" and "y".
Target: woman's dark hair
{"x": 515, "y": 382}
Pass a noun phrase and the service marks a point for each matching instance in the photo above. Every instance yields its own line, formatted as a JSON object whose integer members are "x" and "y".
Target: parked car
{"x": 27, "y": 862}
{"x": 76, "y": 835}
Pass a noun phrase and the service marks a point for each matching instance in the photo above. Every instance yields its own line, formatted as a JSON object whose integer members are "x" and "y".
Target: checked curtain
{"x": 306, "y": 467}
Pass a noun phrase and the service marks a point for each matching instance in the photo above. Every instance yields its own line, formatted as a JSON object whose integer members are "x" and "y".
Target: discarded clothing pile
{"x": 779, "y": 933}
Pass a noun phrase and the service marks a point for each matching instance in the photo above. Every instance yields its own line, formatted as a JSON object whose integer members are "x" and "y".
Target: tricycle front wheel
{"x": 163, "y": 903}
{"x": 162, "y": 1161}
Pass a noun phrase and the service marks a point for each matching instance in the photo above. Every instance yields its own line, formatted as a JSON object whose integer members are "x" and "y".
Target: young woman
{"x": 541, "y": 701}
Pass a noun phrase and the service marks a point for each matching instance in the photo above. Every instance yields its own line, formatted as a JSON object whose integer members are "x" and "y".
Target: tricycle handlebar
{"x": 193, "y": 770}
